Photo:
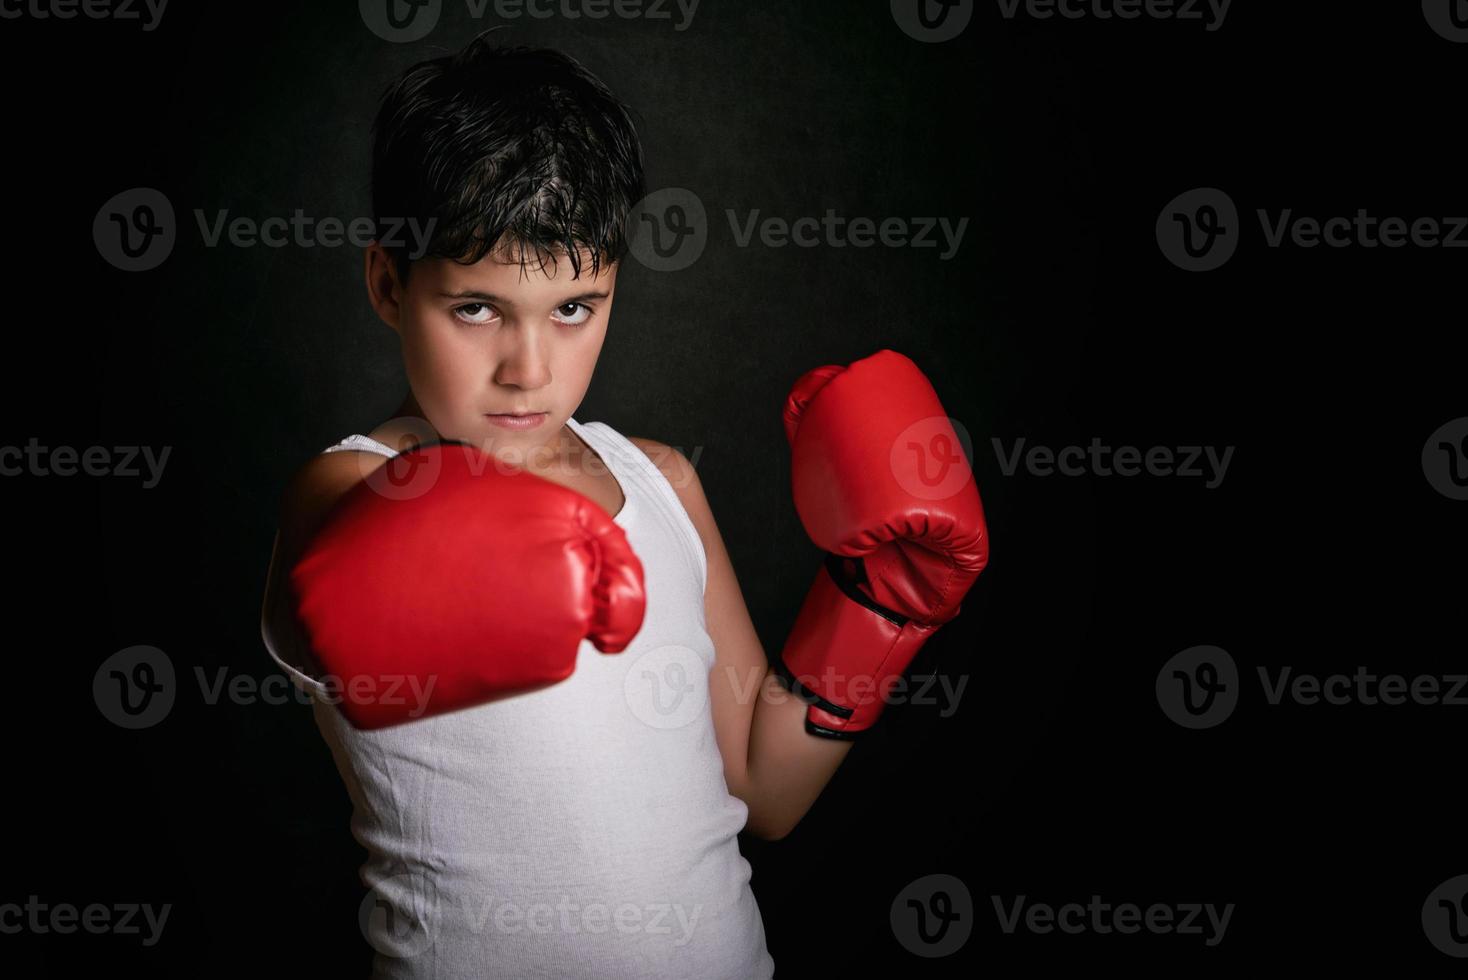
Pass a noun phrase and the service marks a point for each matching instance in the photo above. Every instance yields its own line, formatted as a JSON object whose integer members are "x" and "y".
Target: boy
{"x": 516, "y": 847}
{"x": 587, "y": 828}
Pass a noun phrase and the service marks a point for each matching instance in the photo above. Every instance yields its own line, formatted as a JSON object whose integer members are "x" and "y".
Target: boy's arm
{"x": 770, "y": 761}
{"x": 309, "y": 495}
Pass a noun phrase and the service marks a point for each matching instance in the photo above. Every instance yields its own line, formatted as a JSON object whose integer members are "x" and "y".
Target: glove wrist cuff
{"x": 844, "y": 654}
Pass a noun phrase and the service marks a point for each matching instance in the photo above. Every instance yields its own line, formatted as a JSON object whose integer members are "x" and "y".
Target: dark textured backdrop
{"x": 1059, "y": 320}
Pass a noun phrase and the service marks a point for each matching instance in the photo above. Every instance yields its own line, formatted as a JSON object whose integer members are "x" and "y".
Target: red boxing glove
{"x": 881, "y": 483}
{"x": 448, "y": 579}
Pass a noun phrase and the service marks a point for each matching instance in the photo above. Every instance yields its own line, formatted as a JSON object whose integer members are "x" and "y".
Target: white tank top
{"x": 582, "y": 830}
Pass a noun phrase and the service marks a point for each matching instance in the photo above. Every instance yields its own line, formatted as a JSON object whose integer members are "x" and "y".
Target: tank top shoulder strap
{"x": 639, "y": 474}
{"x": 363, "y": 444}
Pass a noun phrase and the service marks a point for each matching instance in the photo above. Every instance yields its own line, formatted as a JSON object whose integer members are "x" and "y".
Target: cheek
{"x": 442, "y": 359}
{"x": 587, "y": 352}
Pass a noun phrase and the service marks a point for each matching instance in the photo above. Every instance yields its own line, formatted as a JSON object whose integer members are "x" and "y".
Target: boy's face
{"x": 493, "y": 339}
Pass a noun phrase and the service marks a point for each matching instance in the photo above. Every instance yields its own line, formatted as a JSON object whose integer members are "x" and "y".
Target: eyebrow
{"x": 481, "y": 296}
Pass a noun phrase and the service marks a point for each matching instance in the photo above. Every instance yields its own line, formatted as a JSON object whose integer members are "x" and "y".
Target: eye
{"x": 475, "y": 313}
{"x": 581, "y": 318}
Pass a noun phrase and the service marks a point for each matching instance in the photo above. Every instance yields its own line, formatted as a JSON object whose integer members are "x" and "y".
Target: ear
{"x": 383, "y": 288}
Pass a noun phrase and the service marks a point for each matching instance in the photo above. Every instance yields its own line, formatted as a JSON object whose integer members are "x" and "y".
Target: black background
{"x": 1059, "y": 320}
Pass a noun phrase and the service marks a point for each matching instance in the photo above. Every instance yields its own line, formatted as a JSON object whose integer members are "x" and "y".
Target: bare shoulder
{"x": 675, "y": 466}
{"x": 304, "y": 504}
{"x": 318, "y": 484}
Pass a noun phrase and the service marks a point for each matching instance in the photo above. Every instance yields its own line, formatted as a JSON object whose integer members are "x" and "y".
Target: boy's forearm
{"x": 787, "y": 767}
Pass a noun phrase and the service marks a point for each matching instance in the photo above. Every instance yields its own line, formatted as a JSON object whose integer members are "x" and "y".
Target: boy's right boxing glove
{"x": 447, "y": 579}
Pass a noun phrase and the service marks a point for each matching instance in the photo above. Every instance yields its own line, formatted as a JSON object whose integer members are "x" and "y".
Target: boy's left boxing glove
{"x": 881, "y": 483}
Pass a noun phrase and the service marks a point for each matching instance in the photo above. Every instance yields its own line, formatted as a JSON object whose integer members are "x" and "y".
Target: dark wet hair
{"x": 504, "y": 147}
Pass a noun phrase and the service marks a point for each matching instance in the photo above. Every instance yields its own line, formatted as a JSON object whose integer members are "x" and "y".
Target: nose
{"x": 524, "y": 361}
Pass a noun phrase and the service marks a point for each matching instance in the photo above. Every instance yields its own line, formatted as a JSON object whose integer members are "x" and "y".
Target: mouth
{"x": 516, "y": 420}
